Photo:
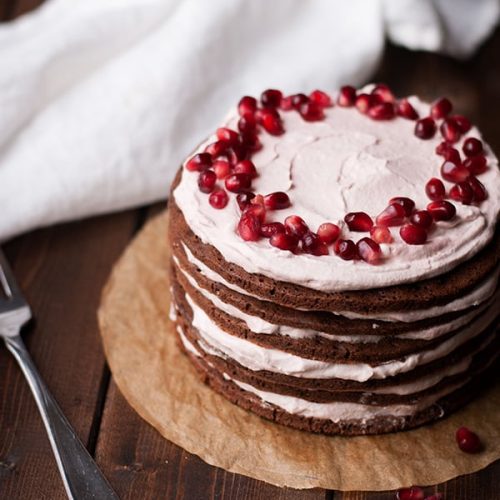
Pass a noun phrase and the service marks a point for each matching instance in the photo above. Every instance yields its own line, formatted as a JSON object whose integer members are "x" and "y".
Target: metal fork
{"x": 81, "y": 477}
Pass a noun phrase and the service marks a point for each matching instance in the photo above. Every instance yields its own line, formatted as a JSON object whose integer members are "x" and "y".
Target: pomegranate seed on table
{"x": 407, "y": 203}
{"x": 441, "y": 108}
{"x": 383, "y": 111}
{"x": 267, "y": 230}
{"x": 206, "y": 181}
{"x": 245, "y": 167}
{"x": 450, "y": 131}
{"x": 393, "y": 215}
{"x": 462, "y": 192}
{"x": 328, "y": 232}
{"x": 463, "y": 123}
{"x": 276, "y": 201}
{"x": 346, "y": 249}
{"x": 247, "y": 123}
{"x": 369, "y": 250}
{"x": 454, "y": 173}
{"x": 364, "y": 102}
{"x": 441, "y": 210}
{"x": 381, "y": 234}
{"x": 298, "y": 100}
{"x": 320, "y": 98}
{"x": 271, "y": 122}
{"x": 271, "y": 98}
{"x": 221, "y": 168}
{"x": 284, "y": 241}
{"x": 435, "y": 189}
{"x": 244, "y": 198}
{"x": 406, "y": 110}
{"x": 476, "y": 164}
{"x": 311, "y": 244}
{"x": 249, "y": 227}
{"x": 218, "y": 198}
{"x": 468, "y": 441}
{"x": 479, "y": 192}
{"x": 384, "y": 93}
{"x": 347, "y": 96}
{"x": 228, "y": 135}
{"x": 238, "y": 182}
{"x": 247, "y": 105}
{"x": 412, "y": 493}
{"x": 311, "y": 112}
{"x": 412, "y": 234}
{"x": 286, "y": 103}
{"x": 472, "y": 147}
{"x": 425, "y": 128}
{"x": 295, "y": 225}
{"x": 199, "y": 162}
{"x": 358, "y": 221}
{"x": 422, "y": 218}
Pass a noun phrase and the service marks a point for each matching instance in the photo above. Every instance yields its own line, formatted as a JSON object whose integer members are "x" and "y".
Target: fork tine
{"x": 7, "y": 279}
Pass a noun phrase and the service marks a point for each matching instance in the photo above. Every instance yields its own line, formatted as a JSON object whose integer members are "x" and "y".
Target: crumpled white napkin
{"x": 101, "y": 99}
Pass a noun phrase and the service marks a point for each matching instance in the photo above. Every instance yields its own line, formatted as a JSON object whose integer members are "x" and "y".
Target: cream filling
{"x": 260, "y": 326}
{"x": 254, "y": 357}
{"x": 481, "y": 293}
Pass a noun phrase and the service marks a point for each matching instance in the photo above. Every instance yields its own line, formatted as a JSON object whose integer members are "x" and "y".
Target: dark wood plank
{"x": 62, "y": 271}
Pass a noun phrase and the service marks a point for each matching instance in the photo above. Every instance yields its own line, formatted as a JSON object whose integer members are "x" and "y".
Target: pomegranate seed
{"x": 286, "y": 103}
{"x": 236, "y": 153}
{"x": 472, "y": 147}
{"x": 271, "y": 98}
{"x": 454, "y": 173}
{"x": 413, "y": 235}
{"x": 442, "y": 148}
{"x": 328, "y": 232}
{"x": 441, "y": 108}
{"x": 311, "y": 112}
{"x": 313, "y": 245}
{"x": 284, "y": 241}
{"x": 407, "y": 204}
{"x": 244, "y": 198}
{"x": 218, "y": 198}
{"x": 249, "y": 227}
{"x": 421, "y": 218}
{"x": 369, "y": 250}
{"x": 462, "y": 192}
{"x": 298, "y": 100}
{"x": 476, "y": 164}
{"x": 468, "y": 441}
{"x": 296, "y": 226}
{"x": 247, "y": 105}
{"x": 258, "y": 199}
{"x": 320, "y": 98}
{"x": 441, "y": 210}
{"x": 478, "y": 190}
{"x": 228, "y": 135}
{"x": 267, "y": 230}
{"x": 347, "y": 96}
{"x": 435, "y": 189}
{"x": 381, "y": 234}
{"x": 425, "y": 128}
{"x": 384, "y": 111}
{"x": 393, "y": 215}
{"x": 364, "y": 102}
{"x": 251, "y": 141}
{"x": 346, "y": 249}
{"x": 217, "y": 148}
{"x": 238, "y": 182}
{"x": 276, "y": 201}
{"x": 406, "y": 110}
{"x": 271, "y": 122}
{"x": 358, "y": 221}
{"x": 256, "y": 210}
{"x": 221, "y": 168}
{"x": 245, "y": 167}
{"x": 450, "y": 131}
{"x": 453, "y": 155}
{"x": 384, "y": 92}
{"x": 412, "y": 493}
{"x": 199, "y": 162}
{"x": 247, "y": 123}
{"x": 206, "y": 181}
{"x": 462, "y": 122}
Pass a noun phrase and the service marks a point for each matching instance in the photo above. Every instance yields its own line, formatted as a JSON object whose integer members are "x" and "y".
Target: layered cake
{"x": 335, "y": 259}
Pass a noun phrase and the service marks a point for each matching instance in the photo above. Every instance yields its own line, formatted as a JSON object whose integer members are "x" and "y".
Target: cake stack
{"x": 335, "y": 261}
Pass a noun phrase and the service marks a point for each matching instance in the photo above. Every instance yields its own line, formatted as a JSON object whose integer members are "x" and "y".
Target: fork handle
{"x": 81, "y": 477}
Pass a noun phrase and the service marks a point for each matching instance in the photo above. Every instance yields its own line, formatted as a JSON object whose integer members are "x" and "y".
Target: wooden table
{"x": 62, "y": 270}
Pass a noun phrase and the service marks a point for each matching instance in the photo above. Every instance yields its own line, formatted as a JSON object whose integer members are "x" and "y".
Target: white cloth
{"x": 101, "y": 99}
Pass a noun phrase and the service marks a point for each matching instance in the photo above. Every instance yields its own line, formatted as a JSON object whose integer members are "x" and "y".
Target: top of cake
{"x": 363, "y": 165}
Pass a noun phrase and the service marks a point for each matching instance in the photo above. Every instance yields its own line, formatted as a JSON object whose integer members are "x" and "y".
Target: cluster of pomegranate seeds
{"x": 468, "y": 441}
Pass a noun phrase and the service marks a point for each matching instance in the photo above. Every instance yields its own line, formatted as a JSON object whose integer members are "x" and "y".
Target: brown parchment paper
{"x": 159, "y": 383}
